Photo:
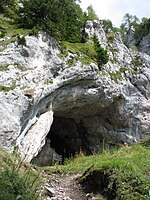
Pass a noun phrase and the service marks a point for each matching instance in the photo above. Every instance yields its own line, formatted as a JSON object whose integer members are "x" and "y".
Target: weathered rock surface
{"x": 142, "y": 45}
{"x": 79, "y": 105}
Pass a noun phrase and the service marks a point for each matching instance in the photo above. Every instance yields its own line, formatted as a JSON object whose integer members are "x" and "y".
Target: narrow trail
{"x": 66, "y": 187}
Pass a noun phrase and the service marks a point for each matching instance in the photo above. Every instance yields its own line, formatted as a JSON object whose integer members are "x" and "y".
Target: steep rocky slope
{"x": 142, "y": 43}
{"x": 77, "y": 106}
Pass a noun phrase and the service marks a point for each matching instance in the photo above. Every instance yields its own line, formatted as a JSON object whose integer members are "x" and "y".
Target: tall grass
{"x": 18, "y": 181}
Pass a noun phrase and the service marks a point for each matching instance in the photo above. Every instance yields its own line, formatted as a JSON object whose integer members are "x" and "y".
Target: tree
{"x": 142, "y": 29}
{"x": 102, "y": 55}
{"x": 6, "y": 6}
{"x": 108, "y": 27}
{"x": 91, "y": 15}
{"x": 63, "y": 19}
{"x": 128, "y": 22}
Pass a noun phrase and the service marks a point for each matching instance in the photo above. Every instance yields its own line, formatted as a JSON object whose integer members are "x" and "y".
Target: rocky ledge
{"x": 76, "y": 106}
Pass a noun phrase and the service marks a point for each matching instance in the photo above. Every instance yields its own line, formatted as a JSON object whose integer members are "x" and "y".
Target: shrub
{"x": 85, "y": 51}
{"x": 21, "y": 40}
{"x": 111, "y": 36}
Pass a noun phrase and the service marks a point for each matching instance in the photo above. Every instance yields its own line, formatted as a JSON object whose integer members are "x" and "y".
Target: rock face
{"x": 77, "y": 107}
{"x": 143, "y": 44}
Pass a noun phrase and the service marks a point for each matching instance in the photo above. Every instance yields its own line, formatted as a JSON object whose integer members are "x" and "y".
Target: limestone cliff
{"x": 77, "y": 106}
{"x": 142, "y": 43}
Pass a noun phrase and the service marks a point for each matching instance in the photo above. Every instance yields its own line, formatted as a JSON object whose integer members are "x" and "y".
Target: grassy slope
{"x": 122, "y": 174}
{"x": 9, "y": 31}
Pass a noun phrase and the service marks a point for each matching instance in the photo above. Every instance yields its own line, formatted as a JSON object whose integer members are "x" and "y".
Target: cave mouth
{"x": 67, "y": 137}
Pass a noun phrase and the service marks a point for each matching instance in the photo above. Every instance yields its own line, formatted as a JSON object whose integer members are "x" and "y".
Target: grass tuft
{"x": 18, "y": 181}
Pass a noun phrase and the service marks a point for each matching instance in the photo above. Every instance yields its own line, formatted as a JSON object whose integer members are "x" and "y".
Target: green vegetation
{"x": 110, "y": 36}
{"x": 7, "y": 88}
{"x": 90, "y": 14}
{"x": 88, "y": 52}
{"x": 3, "y": 67}
{"x": 21, "y": 40}
{"x": 116, "y": 76}
{"x": 18, "y": 66}
{"x": 10, "y": 32}
{"x": 18, "y": 181}
{"x": 102, "y": 55}
{"x": 108, "y": 26}
{"x": 141, "y": 28}
{"x": 122, "y": 174}
{"x": 128, "y": 22}
{"x": 62, "y": 19}
{"x": 136, "y": 61}
{"x": 85, "y": 51}
{"x": 7, "y": 7}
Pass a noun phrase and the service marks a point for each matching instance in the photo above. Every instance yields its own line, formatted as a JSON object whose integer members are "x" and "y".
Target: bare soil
{"x": 66, "y": 187}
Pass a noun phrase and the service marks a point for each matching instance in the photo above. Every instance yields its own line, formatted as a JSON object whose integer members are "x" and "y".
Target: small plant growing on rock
{"x": 21, "y": 40}
{"x": 136, "y": 61}
{"x": 7, "y": 88}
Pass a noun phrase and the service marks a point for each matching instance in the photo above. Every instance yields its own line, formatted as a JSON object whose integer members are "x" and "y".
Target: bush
{"x": 21, "y": 40}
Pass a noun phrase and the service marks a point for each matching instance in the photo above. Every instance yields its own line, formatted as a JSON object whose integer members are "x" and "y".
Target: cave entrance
{"x": 67, "y": 137}
{"x": 61, "y": 147}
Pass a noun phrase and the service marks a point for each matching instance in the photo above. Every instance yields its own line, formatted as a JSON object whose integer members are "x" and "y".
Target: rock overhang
{"x": 106, "y": 109}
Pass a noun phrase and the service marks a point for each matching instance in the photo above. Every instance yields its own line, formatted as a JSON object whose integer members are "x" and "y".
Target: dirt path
{"x": 66, "y": 187}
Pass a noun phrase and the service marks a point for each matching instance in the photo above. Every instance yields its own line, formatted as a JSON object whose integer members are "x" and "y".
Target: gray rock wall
{"x": 110, "y": 104}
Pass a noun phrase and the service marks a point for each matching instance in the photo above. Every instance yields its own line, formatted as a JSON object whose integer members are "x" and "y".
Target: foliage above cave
{"x": 62, "y": 19}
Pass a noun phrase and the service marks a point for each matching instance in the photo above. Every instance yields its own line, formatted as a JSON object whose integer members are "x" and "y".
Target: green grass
{"x": 18, "y": 181}
{"x": 9, "y": 29}
{"x": 116, "y": 76}
{"x": 122, "y": 174}
{"x": 4, "y": 67}
{"x": 7, "y": 88}
{"x": 85, "y": 51}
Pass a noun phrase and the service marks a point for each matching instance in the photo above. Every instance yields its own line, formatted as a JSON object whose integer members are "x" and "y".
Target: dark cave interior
{"x": 67, "y": 137}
